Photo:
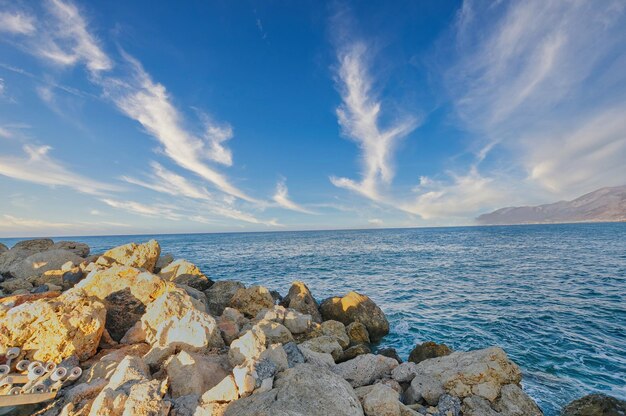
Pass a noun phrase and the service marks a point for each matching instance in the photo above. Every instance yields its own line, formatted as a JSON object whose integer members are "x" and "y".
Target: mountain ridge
{"x": 606, "y": 204}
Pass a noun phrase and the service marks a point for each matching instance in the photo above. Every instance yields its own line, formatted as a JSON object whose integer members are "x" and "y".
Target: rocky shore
{"x": 155, "y": 336}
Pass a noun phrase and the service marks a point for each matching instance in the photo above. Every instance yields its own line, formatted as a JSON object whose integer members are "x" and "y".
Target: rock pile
{"x": 156, "y": 336}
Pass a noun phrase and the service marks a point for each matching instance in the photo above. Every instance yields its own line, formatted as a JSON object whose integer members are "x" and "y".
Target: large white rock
{"x": 463, "y": 374}
{"x": 143, "y": 256}
{"x": 365, "y": 369}
{"x": 301, "y": 390}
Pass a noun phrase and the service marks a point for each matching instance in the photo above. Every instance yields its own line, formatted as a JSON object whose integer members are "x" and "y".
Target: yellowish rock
{"x": 143, "y": 256}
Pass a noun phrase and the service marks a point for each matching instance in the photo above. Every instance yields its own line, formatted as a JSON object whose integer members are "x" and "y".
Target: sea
{"x": 552, "y": 296}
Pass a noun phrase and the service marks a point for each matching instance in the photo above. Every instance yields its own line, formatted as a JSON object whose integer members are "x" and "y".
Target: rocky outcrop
{"x": 595, "y": 405}
{"x": 355, "y": 307}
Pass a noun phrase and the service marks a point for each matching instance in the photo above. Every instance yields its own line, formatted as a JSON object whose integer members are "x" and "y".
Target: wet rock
{"x": 252, "y": 300}
{"x": 595, "y": 405}
{"x": 428, "y": 350}
{"x": 462, "y": 374}
{"x": 192, "y": 373}
{"x": 54, "y": 328}
{"x": 391, "y": 353}
{"x": 80, "y": 249}
{"x": 186, "y": 273}
{"x": 300, "y": 299}
{"x": 38, "y": 263}
{"x": 302, "y": 390}
{"x": 142, "y": 256}
{"x": 220, "y": 294}
{"x": 355, "y": 307}
{"x": 357, "y": 333}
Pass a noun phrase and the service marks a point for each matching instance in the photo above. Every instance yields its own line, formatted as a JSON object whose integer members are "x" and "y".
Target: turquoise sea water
{"x": 553, "y": 296}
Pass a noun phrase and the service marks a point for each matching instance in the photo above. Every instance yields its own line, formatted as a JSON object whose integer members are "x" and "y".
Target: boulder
{"x": 595, "y": 405}
{"x": 184, "y": 405}
{"x": 220, "y": 294}
{"x": 55, "y": 328}
{"x": 300, "y": 299}
{"x": 512, "y": 402}
{"x": 185, "y": 273}
{"x": 20, "y": 251}
{"x": 252, "y": 300}
{"x": 142, "y": 256}
{"x": 365, "y": 369}
{"x": 324, "y": 344}
{"x": 337, "y": 330}
{"x": 144, "y": 286}
{"x": 35, "y": 245}
{"x": 302, "y": 390}
{"x": 428, "y": 350}
{"x": 381, "y": 401}
{"x": 174, "y": 303}
{"x": 355, "y": 307}
{"x": 123, "y": 311}
{"x": 357, "y": 333}
{"x": 192, "y": 373}
{"x": 38, "y": 263}
{"x": 462, "y": 374}
{"x": 80, "y": 249}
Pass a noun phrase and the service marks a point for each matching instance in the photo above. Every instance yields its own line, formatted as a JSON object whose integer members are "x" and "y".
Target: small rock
{"x": 220, "y": 294}
{"x": 391, "y": 353}
{"x": 337, "y": 330}
{"x": 355, "y": 307}
{"x": 300, "y": 299}
{"x": 40, "y": 289}
{"x": 251, "y": 300}
{"x": 595, "y": 405}
{"x": 428, "y": 350}
{"x": 186, "y": 273}
{"x": 71, "y": 278}
{"x": 357, "y": 332}
{"x": 365, "y": 369}
{"x": 296, "y": 322}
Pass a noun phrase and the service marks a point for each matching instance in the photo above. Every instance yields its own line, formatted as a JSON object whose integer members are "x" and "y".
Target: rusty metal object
{"x": 24, "y": 382}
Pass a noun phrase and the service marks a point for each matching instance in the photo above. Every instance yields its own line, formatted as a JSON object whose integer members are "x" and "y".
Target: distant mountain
{"x": 605, "y": 204}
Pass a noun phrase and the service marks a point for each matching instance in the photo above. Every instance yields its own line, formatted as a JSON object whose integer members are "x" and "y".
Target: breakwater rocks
{"x": 155, "y": 336}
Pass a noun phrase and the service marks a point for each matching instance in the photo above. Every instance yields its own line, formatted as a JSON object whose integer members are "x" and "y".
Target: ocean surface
{"x": 553, "y": 296}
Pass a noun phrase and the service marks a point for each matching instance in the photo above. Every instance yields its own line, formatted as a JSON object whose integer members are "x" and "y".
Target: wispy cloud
{"x": 359, "y": 118}
{"x": 5, "y": 133}
{"x": 141, "y": 99}
{"x": 37, "y": 166}
{"x": 281, "y": 197}
{"x": 14, "y": 226}
{"x": 170, "y": 183}
{"x": 147, "y": 210}
{"x": 544, "y": 81}
{"x": 215, "y": 135}
{"x": 68, "y": 41}
{"x": 17, "y": 23}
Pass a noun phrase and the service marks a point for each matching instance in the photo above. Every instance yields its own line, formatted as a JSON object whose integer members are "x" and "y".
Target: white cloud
{"x": 170, "y": 183}
{"x": 377, "y": 222}
{"x": 38, "y": 167}
{"x": 146, "y": 210}
{"x": 14, "y": 226}
{"x": 544, "y": 82}
{"x": 16, "y": 23}
{"x": 68, "y": 41}
{"x": 10, "y": 221}
{"x": 148, "y": 102}
{"x": 359, "y": 117}
{"x": 5, "y": 133}
{"x": 215, "y": 136}
{"x": 281, "y": 197}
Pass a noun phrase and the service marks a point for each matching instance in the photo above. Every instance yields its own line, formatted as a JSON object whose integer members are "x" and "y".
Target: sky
{"x": 215, "y": 116}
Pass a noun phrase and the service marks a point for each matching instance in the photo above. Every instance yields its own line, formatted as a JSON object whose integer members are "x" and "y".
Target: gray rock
{"x": 35, "y": 245}
{"x": 40, "y": 289}
{"x": 405, "y": 372}
{"x": 514, "y": 402}
{"x": 220, "y": 294}
{"x": 365, "y": 369}
{"x": 302, "y": 390}
{"x": 38, "y": 263}
{"x": 353, "y": 352}
{"x": 3, "y": 248}
{"x": 595, "y": 405}
{"x": 184, "y": 405}
{"x": 72, "y": 277}
{"x": 428, "y": 350}
{"x": 391, "y": 353}
{"x": 80, "y": 249}
{"x": 448, "y": 406}
{"x": 294, "y": 355}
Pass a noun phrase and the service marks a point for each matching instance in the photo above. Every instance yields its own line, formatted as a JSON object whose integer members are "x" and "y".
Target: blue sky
{"x": 136, "y": 117}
